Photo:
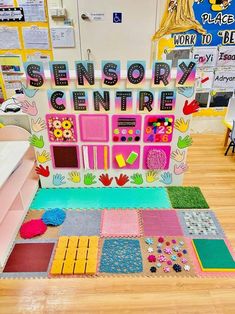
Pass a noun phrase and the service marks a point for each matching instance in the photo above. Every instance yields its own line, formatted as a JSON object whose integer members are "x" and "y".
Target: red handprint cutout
{"x": 190, "y": 108}
{"x": 42, "y": 171}
{"x": 122, "y": 180}
{"x": 104, "y": 178}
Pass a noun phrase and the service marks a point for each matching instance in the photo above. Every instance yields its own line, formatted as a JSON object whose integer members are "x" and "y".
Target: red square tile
{"x": 29, "y": 257}
{"x": 161, "y": 223}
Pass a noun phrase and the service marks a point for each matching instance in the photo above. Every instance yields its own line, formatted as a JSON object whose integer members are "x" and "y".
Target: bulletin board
{"x": 208, "y": 37}
{"x": 114, "y": 128}
{"x": 24, "y": 36}
{"x": 34, "y": 19}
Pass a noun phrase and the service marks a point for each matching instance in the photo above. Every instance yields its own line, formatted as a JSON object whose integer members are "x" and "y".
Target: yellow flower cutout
{"x": 66, "y": 124}
{"x": 58, "y": 133}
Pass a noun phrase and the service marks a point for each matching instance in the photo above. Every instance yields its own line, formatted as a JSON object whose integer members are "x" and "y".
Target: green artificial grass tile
{"x": 186, "y": 197}
{"x": 214, "y": 254}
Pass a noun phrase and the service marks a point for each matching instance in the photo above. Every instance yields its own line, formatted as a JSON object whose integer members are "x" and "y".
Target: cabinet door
{"x": 116, "y": 29}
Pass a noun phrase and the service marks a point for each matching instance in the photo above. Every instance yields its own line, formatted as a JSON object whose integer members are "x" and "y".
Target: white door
{"x": 116, "y": 29}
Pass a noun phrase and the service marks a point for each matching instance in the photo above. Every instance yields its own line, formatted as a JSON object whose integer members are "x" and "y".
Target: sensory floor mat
{"x": 213, "y": 255}
{"x": 186, "y": 197}
{"x": 150, "y": 241}
{"x": 100, "y": 198}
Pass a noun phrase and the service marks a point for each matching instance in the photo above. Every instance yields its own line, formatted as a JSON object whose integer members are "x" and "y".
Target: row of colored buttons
{"x": 124, "y": 131}
{"x": 124, "y": 139}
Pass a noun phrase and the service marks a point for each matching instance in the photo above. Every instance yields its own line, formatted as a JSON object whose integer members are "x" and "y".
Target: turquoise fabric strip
{"x": 100, "y": 198}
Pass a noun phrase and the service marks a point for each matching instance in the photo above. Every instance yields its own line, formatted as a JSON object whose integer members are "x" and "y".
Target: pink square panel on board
{"x": 126, "y": 128}
{"x": 156, "y": 157}
{"x": 61, "y": 128}
{"x": 65, "y": 156}
{"x": 95, "y": 157}
{"x": 158, "y": 128}
{"x": 120, "y": 223}
{"x": 125, "y": 151}
{"x": 161, "y": 223}
{"x": 94, "y": 127}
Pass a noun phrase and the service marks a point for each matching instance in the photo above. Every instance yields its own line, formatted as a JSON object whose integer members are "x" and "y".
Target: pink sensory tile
{"x": 161, "y": 222}
{"x": 120, "y": 223}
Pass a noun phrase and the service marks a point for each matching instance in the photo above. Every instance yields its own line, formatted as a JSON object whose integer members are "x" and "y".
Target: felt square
{"x": 94, "y": 127}
{"x": 186, "y": 197}
{"x": 161, "y": 223}
{"x": 81, "y": 223}
{"x": 29, "y": 257}
{"x": 61, "y": 128}
{"x": 65, "y": 156}
{"x": 120, "y": 223}
{"x": 52, "y": 232}
{"x": 121, "y": 256}
{"x": 213, "y": 255}
{"x": 200, "y": 224}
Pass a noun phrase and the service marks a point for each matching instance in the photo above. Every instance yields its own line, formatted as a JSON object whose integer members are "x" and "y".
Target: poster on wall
{"x": 36, "y": 37}
{"x": 9, "y": 38}
{"x": 84, "y": 137}
{"x": 224, "y": 79}
{"x": 198, "y": 23}
{"x": 205, "y": 79}
{"x": 34, "y": 10}
{"x": 6, "y": 3}
{"x": 226, "y": 56}
{"x": 205, "y": 56}
{"x": 11, "y": 15}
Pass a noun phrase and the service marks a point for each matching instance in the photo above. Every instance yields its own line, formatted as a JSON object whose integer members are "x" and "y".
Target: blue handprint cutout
{"x": 58, "y": 179}
{"x": 166, "y": 178}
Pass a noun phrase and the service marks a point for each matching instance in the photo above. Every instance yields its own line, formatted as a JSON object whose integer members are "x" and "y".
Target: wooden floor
{"x": 215, "y": 174}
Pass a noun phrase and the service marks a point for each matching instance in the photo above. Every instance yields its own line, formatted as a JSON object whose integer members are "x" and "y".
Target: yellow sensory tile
{"x": 71, "y": 253}
{"x": 73, "y": 241}
{"x": 56, "y": 267}
{"x": 91, "y": 267}
{"x": 80, "y": 267}
{"x": 92, "y": 253}
{"x": 82, "y": 253}
{"x": 83, "y": 241}
{"x": 60, "y": 253}
{"x": 63, "y": 241}
{"x": 93, "y": 241}
{"x": 68, "y": 267}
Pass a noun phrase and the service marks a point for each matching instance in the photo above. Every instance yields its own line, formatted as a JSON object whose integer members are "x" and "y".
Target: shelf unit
{"x": 18, "y": 185}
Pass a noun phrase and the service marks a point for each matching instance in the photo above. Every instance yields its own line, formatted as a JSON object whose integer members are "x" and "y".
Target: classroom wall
{"x": 128, "y": 40}
{"x": 68, "y": 54}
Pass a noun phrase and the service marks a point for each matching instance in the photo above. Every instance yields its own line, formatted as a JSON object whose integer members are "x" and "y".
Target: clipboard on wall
{"x": 62, "y": 37}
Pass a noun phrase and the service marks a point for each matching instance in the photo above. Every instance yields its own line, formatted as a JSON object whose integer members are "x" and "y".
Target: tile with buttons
{"x": 75, "y": 256}
{"x": 126, "y": 128}
{"x": 166, "y": 256}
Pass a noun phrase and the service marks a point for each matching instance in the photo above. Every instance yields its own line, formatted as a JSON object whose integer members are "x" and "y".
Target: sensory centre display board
{"x": 110, "y": 128}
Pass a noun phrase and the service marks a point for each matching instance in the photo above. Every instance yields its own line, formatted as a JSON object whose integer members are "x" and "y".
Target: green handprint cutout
{"x": 137, "y": 179}
{"x": 89, "y": 179}
{"x": 36, "y": 141}
{"x": 184, "y": 142}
